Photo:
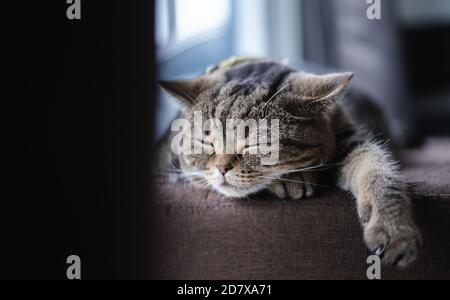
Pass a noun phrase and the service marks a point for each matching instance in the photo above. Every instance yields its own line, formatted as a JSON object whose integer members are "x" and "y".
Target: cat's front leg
{"x": 293, "y": 186}
{"x": 384, "y": 207}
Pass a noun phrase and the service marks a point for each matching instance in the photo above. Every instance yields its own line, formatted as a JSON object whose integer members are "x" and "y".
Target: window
{"x": 192, "y": 34}
{"x": 181, "y": 20}
{"x": 195, "y": 17}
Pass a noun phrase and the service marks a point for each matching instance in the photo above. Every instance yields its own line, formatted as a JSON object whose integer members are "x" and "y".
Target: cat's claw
{"x": 380, "y": 251}
{"x": 396, "y": 245}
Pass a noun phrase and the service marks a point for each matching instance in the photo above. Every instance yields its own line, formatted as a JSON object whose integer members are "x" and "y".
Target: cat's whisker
{"x": 281, "y": 172}
{"x": 250, "y": 200}
{"x": 189, "y": 96}
{"x": 320, "y": 167}
{"x": 205, "y": 185}
{"x": 273, "y": 97}
{"x": 197, "y": 180}
{"x": 192, "y": 174}
{"x": 172, "y": 163}
{"x": 324, "y": 168}
{"x": 166, "y": 174}
{"x": 171, "y": 171}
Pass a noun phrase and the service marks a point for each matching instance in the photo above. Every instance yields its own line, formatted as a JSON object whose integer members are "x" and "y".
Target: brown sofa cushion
{"x": 204, "y": 236}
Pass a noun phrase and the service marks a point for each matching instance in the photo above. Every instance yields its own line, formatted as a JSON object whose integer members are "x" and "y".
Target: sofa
{"x": 205, "y": 236}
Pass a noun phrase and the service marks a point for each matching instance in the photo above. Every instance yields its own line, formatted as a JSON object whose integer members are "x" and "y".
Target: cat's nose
{"x": 224, "y": 163}
{"x": 224, "y": 169}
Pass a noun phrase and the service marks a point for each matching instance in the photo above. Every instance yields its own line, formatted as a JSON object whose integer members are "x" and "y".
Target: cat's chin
{"x": 235, "y": 192}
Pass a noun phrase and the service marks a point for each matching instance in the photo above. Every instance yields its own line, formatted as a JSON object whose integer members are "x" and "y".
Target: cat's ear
{"x": 187, "y": 91}
{"x": 319, "y": 93}
{"x": 331, "y": 86}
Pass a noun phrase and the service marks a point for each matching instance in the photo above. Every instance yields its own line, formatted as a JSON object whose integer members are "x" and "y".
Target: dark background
{"x": 81, "y": 182}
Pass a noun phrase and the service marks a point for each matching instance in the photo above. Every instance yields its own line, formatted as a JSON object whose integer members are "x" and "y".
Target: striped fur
{"x": 318, "y": 139}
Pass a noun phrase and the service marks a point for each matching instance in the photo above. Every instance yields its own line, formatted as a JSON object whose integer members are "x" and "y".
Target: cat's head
{"x": 300, "y": 103}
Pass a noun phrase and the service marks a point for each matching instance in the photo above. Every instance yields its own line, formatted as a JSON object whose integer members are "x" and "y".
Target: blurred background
{"x": 81, "y": 184}
{"x": 401, "y": 62}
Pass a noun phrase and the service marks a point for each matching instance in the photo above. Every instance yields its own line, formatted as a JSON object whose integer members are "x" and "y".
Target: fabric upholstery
{"x": 205, "y": 236}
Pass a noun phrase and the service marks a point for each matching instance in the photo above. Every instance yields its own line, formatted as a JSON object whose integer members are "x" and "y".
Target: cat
{"x": 317, "y": 136}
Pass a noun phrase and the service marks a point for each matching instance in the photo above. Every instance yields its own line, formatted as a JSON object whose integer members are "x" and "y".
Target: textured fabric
{"x": 204, "y": 236}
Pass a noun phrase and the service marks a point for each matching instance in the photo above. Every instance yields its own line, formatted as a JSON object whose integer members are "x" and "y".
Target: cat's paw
{"x": 396, "y": 243}
{"x": 291, "y": 190}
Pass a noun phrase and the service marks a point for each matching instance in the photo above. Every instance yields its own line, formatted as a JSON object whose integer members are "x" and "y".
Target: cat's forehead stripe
{"x": 251, "y": 75}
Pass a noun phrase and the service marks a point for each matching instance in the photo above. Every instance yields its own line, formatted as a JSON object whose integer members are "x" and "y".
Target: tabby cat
{"x": 318, "y": 139}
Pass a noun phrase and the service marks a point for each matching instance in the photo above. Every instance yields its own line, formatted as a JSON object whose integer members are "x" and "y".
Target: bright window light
{"x": 194, "y": 17}
{"x": 162, "y": 21}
